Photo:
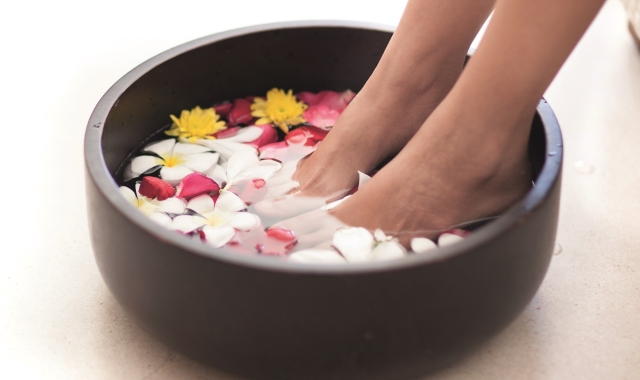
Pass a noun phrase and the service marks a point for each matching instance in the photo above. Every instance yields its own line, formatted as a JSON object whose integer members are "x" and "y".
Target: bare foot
{"x": 451, "y": 172}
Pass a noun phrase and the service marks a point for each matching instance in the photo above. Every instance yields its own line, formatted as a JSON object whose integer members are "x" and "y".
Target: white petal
{"x": 264, "y": 169}
{"x": 362, "y": 179}
{"x": 174, "y": 175}
{"x": 317, "y": 256}
{"x": 218, "y": 174}
{"x": 388, "y": 251}
{"x": 129, "y": 195}
{"x": 187, "y": 223}
{"x": 146, "y": 205}
{"x": 422, "y": 245}
{"x": 161, "y": 218}
{"x": 379, "y": 235}
{"x": 202, "y": 204}
{"x": 447, "y": 239}
{"x": 228, "y": 201}
{"x": 218, "y": 236}
{"x": 141, "y": 164}
{"x": 227, "y": 148}
{"x": 239, "y": 162}
{"x": 164, "y": 147}
{"x": 201, "y": 162}
{"x": 186, "y": 149}
{"x": 172, "y": 205}
{"x": 354, "y": 243}
{"x": 246, "y": 134}
{"x": 244, "y": 221}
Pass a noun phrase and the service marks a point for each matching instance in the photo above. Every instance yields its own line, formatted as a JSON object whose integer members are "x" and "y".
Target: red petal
{"x": 316, "y": 134}
{"x": 229, "y": 132}
{"x": 269, "y": 136}
{"x": 153, "y": 187}
{"x": 281, "y": 234}
{"x": 258, "y": 182}
{"x": 196, "y": 184}
{"x": 223, "y": 108}
{"x": 334, "y": 100}
{"x": 309, "y": 136}
{"x": 321, "y": 116}
{"x": 240, "y": 113}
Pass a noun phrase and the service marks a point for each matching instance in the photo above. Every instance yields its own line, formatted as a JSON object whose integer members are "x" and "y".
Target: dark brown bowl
{"x": 261, "y": 317}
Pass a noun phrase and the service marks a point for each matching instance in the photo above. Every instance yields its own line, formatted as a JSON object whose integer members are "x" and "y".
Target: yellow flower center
{"x": 172, "y": 160}
{"x": 196, "y": 124}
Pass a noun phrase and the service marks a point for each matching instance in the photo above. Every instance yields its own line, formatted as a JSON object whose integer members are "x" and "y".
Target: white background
{"x": 58, "y": 320}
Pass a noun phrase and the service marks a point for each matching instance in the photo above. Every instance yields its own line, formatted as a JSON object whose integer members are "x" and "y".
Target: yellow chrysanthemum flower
{"x": 279, "y": 108}
{"x": 196, "y": 124}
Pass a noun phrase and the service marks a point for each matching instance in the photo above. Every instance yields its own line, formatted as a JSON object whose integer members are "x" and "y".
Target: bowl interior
{"x": 302, "y": 58}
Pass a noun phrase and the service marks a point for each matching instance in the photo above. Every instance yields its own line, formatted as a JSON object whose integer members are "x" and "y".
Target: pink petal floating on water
{"x": 281, "y": 234}
{"x": 268, "y": 137}
{"x": 334, "y": 100}
{"x": 226, "y": 133}
{"x": 155, "y": 188}
{"x": 223, "y": 108}
{"x": 308, "y": 136}
{"x": 196, "y": 184}
{"x": 240, "y": 113}
{"x": 258, "y": 183}
{"x": 321, "y": 116}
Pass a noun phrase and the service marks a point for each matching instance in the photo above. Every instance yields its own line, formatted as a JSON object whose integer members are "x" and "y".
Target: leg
{"x": 415, "y": 73}
{"x": 469, "y": 159}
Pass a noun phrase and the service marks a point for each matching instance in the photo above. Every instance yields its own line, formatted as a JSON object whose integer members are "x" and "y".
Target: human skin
{"x": 468, "y": 160}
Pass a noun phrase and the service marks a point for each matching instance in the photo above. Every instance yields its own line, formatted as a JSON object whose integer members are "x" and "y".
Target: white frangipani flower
{"x": 243, "y": 166}
{"x": 153, "y": 208}
{"x": 219, "y": 220}
{"x": 177, "y": 160}
{"x": 357, "y": 244}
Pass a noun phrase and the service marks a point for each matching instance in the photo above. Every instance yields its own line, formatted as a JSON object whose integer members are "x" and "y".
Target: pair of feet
{"x": 449, "y": 166}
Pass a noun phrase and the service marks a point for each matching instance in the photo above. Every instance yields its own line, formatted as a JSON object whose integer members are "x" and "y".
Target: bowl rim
{"x": 99, "y": 174}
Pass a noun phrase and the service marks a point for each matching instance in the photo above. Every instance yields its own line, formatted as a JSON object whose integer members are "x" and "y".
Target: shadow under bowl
{"x": 261, "y": 317}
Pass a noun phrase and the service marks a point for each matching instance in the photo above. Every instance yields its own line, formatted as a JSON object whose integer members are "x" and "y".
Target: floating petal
{"x": 229, "y": 202}
{"x": 202, "y": 204}
{"x": 161, "y": 148}
{"x": 354, "y": 243}
{"x": 155, "y": 188}
{"x": 196, "y": 184}
{"x": 201, "y": 162}
{"x": 422, "y": 245}
{"x": 172, "y": 206}
{"x": 218, "y": 236}
{"x": 143, "y": 163}
{"x": 129, "y": 195}
{"x": 388, "y": 250}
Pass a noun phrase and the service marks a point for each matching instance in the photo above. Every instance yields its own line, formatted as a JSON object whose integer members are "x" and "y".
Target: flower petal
{"x": 422, "y": 245}
{"x": 264, "y": 169}
{"x": 246, "y": 134}
{"x": 388, "y": 250}
{"x": 172, "y": 206}
{"x": 228, "y": 201}
{"x": 447, "y": 239}
{"x": 218, "y": 236}
{"x": 239, "y": 162}
{"x": 187, "y": 223}
{"x": 354, "y": 243}
{"x": 129, "y": 195}
{"x": 141, "y": 164}
{"x": 161, "y": 148}
{"x": 196, "y": 184}
{"x": 186, "y": 149}
{"x": 201, "y": 162}
{"x": 240, "y": 113}
{"x": 175, "y": 174}
{"x": 155, "y": 188}
{"x": 161, "y": 218}
{"x": 317, "y": 256}
{"x": 202, "y": 204}
{"x": 223, "y": 108}
{"x": 363, "y": 179}
{"x": 245, "y": 221}
{"x": 227, "y": 148}
{"x": 218, "y": 174}
{"x": 321, "y": 116}
{"x": 226, "y": 133}
{"x": 269, "y": 136}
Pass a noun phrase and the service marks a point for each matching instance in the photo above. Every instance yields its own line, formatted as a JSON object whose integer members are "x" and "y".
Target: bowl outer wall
{"x": 265, "y": 318}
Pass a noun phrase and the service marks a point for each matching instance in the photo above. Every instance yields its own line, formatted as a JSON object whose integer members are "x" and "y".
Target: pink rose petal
{"x": 281, "y": 234}
{"x": 268, "y": 137}
{"x": 308, "y": 136}
{"x": 153, "y": 188}
{"x": 196, "y": 184}
{"x": 334, "y": 100}
{"x": 240, "y": 113}
{"x": 258, "y": 183}
{"x": 321, "y": 116}
{"x": 223, "y": 108}
{"x": 226, "y": 133}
